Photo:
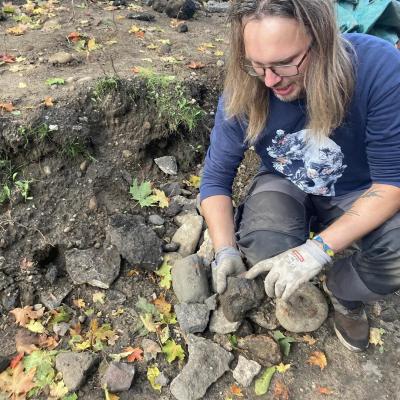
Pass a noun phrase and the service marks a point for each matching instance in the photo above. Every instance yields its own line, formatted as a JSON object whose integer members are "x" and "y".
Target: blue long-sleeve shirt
{"x": 364, "y": 149}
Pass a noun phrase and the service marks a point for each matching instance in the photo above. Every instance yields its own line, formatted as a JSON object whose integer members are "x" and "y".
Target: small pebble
{"x": 182, "y": 28}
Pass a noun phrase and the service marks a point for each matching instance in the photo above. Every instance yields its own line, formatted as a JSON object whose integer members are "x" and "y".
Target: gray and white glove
{"x": 227, "y": 263}
{"x": 290, "y": 269}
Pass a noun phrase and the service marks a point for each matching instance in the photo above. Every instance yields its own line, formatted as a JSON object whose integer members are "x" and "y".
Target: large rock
{"x": 305, "y": 311}
{"x": 167, "y": 164}
{"x": 219, "y": 323}
{"x": 180, "y": 9}
{"x": 53, "y": 297}
{"x": 188, "y": 235}
{"x": 240, "y": 296}
{"x": 245, "y": 371}
{"x": 118, "y": 377}
{"x": 261, "y": 348}
{"x": 95, "y": 267}
{"x": 207, "y": 363}
{"x": 206, "y": 251}
{"x": 135, "y": 241}
{"x": 192, "y": 317}
{"x": 189, "y": 280}
{"x": 75, "y": 368}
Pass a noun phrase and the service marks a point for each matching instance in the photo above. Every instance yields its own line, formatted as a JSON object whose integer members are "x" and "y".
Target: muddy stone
{"x": 61, "y": 58}
{"x": 118, "y": 377}
{"x": 75, "y": 367}
{"x": 188, "y": 235}
{"x": 180, "y": 9}
{"x": 261, "y": 348}
{"x": 192, "y": 317}
{"x": 135, "y": 241}
{"x": 189, "y": 280}
{"x": 305, "y": 311}
{"x": 240, "y": 296}
{"x": 206, "y": 357}
{"x": 264, "y": 315}
{"x": 219, "y": 323}
{"x": 95, "y": 267}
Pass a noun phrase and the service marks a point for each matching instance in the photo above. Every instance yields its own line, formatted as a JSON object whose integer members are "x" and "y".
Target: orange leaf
{"x": 74, "y": 36}
{"x": 195, "y": 65}
{"x": 16, "y": 383}
{"x": 76, "y": 329}
{"x": 309, "y": 340}
{"x": 139, "y": 34}
{"x": 281, "y": 392}
{"x": 7, "y": 58}
{"x": 48, "y": 101}
{"x": 136, "y": 354}
{"x": 318, "y": 358}
{"x": 15, "y": 361}
{"x": 236, "y": 391}
{"x": 134, "y": 272}
{"x": 324, "y": 390}
{"x": 48, "y": 342}
{"x": 23, "y": 315}
{"x": 162, "y": 305}
{"x": 6, "y": 107}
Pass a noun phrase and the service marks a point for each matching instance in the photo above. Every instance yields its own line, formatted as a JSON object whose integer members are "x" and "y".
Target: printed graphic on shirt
{"x": 313, "y": 166}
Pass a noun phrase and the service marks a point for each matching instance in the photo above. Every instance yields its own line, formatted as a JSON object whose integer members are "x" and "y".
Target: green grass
{"x": 74, "y": 148}
{"x": 39, "y": 132}
{"x": 104, "y": 86}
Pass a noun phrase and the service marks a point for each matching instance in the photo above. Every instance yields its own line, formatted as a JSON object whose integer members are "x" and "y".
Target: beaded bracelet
{"x": 325, "y": 247}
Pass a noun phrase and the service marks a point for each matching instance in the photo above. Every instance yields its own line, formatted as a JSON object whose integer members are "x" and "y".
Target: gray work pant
{"x": 276, "y": 216}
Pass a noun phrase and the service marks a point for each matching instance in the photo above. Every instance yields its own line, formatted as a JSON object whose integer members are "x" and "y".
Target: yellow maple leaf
{"x": 92, "y": 45}
{"x": 208, "y": 45}
{"x": 193, "y": 181}
{"x": 160, "y": 197}
{"x": 162, "y": 305}
{"x": 375, "y": 336}
{"x": 18, "y": 30}
{"x": 134, "y": 29}
{"x": 318, "y": 358}
{"x": 309, "y": 340}
{"x": 218, "y": 53}
{"x": 80, "y": 303}
{"x": 152, "y": 46}
{"x": 282, "y": 368}
{"x": 98, "y": 297}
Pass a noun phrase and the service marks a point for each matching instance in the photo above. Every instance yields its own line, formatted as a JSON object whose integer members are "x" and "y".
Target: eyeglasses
{"x": 279, "y": 70}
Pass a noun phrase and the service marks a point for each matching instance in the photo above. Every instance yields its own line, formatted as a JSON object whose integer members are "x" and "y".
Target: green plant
{"x": 171, "y": 102}
{"x": 5, "y": 193}
{"x": 104, "y": 86}
{"x": 142, "y": 193}
{"x": 40, "y": 132}
{"x": 22, "y": 186}
{"x": 74, "y": 148}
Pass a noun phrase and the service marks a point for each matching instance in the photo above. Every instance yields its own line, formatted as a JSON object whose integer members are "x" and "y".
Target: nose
{"x": 270, "y": 78}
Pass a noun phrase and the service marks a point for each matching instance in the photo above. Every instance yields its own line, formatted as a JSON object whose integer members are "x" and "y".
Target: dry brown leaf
{"x": 324, "y": 390}
{"x": 139, "y": 34}
{"x": 281, "y": 392}
{"x": 80, "y": 303}
{"x": 236, "y": 391}
{"x": 16, "y": 383}
{"x": 195, "y": 65}
{"x": 48, "y": 101}
{"x": 76, "y": 329}
{"x": 309, "y": 340}
{"x": 7, "y": 58}
{"x": 162, "y": 305}
{"x": 48, "y": 342}
{"x": 24, "y": 315}
{"x": 135, "y": 70}
{"x": 136, "y": 354}
{"x": 26, "y": 341}
{"x": 318, "y": 358}
{"x": 6, "y": 107}
{"x": 18, "y": 30}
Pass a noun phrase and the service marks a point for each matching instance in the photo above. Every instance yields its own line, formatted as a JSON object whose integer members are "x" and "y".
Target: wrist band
{"x": 325, "y": 247}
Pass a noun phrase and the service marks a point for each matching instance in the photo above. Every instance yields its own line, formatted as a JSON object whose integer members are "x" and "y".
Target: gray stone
{"x": 184, "y": 217}
{"x": 53, "y": 297}
{"x": 207, "y": 363}
{"x": 188, "y": 235}
{"x": 240, "y": 296}
{"x": 223, "y": 340}
{"x": 170, "y": 247}
{"x": 264, "y": 315}
{"x": 161, "y": 380}
{"x": 95, "y": 267}
{"x": 206, "y": 251}
{"x": 60, "y": 328}
{"x": 180, "y": 9}
{"x": 182, "y": 28}
{"x": 189, "y": 280}
{"x": 305, "y": 311}
{"x": 167, "y": 164}
{"x": 172, "y": 258}
{"x": 187, "y": 204}
{"x": 192, "y": 317}
{"x": 212, "y": 302}
{"x": 27, "y": 293}
{"x": 156, "y": 219}
{"x": 116, "y": 296}
{"x": 219, "y": 323}
{"x": 150, "y": 349}
{"x": 217, "y": 6}
{"x": 136, "y": 241}
{"x": 159, "y": 5}
{"x": 245, "y": 371}
{"x": 118, "y": 376}
{"x": 51, "y": 273}
{"x": 75, "y": 368}
{"x": 61, "y": 58}
{"x": 141, "y": 16}
{"x": 9, "y": 298}
{"x": 261, "y": 348}
{"x": 171, "y": 189}
{"x": 173, "y": 209}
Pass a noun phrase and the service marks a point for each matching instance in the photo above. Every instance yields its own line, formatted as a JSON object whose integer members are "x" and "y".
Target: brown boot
{"x": 351, "y": 326}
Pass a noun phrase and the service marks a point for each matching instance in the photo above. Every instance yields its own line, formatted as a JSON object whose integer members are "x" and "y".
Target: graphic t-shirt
{"x": 365, "y": 149}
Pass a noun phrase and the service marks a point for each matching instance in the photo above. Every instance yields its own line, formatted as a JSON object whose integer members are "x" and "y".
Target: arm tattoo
{"x": 351, "y": 212}
{"x": 372, "y": 193}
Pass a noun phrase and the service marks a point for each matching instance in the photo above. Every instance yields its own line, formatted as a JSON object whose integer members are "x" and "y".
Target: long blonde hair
{"x": 329, "y": 77}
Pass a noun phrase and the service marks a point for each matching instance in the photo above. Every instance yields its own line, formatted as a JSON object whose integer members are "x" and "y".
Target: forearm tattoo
{"x": 366, "y": 195}
{"x": 351, "y": 212}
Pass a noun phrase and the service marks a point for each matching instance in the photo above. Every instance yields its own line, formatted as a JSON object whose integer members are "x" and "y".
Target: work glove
{"x": 227, "y": 263}
{"x": 290, "y": 269}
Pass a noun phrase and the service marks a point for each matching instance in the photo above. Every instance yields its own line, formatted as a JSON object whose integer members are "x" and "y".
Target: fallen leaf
{"x": 48, "y": 101}
{"x": 218, "y": 53}
{"x": 16, "y": 360}
{"x": 24, "y": 315}
{"x": 165, "y": 272}
{"x": 7, "y": 107}
{"x": 7, "y": 58}
{"x": 48, "y": 342}
{"x": 173, "y": 351}
{"x": 98, "y": 297}
{"x": 309, "y": 340}
{"x": 139, "y": 34}
{"x": 162, "y": 305}
{"x": 282, "y": 368}
{"x": 175, "y": 23}
{"x": 108, "y": 395}
{"x": 57, "y": 390}
{"x": 148, "y": 322}
{"x": 318, "y": 358}
{"x": 152, "y": 373}
{"x": 195, "y": 65}
{"x": 160, "y": 197}
{"x": 55, "y": 81}
{"x": 22, "y": 85}
{"x": 134, "y": 29}
{"x": 324, "y": 390}
{"x": 135, "y": 70}
{"x": 208, "y": 45}
{"x": 135, "y": 355}
{"x": 281, "y": 392}
{"x": 375, "y": 336}
{"x": 80, "y": 303}
{"x": 16, "y": 383}
{"x": 26, "y": 341}
{"x": 152, "y": 46}
{"x": 35, "y": 326}
{"x": 74, "y": 36}
{"x": 236, "y": 391}
{"x": 194, "y": 181}
{"x": 262, "y": 383}
{"x": 18, "y": 30}
{"x": 91, "y": 44}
